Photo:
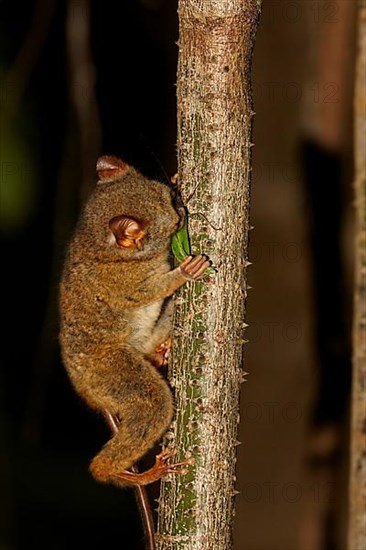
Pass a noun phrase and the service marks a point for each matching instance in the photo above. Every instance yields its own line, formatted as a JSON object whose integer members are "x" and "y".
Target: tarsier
{"x": 116, "y": 314}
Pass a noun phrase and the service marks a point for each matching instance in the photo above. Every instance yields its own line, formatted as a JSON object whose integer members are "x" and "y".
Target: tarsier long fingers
{"x": 194, "y": 267}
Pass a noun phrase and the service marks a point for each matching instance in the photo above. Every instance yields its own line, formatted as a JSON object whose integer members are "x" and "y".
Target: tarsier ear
{"x": 110, "y": 168}
{"x": 128, "y": 231}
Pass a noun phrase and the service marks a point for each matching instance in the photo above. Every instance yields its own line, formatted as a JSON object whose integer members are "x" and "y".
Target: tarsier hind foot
{"x": 160, "y": 469}
{"x": 162, "y": 353}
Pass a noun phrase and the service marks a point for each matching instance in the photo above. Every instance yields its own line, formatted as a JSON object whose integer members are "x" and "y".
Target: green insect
{"x": 181, "y": 246}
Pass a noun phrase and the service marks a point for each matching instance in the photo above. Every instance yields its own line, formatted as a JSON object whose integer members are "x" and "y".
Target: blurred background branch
{"x": 82, "y": 89}
{"x": 17, "y": 78}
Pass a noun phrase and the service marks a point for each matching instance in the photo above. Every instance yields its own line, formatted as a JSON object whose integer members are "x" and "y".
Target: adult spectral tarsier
{"x": 116, "y": 314}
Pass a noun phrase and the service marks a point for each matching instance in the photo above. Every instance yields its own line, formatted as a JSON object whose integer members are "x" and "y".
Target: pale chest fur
{"x": 143, "y": 321}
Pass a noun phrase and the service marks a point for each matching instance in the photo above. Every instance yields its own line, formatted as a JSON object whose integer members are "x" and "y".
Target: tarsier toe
{"x": 162, "y": 353}
{"x": 158, "y": 471}
{"x": 165, "y": 454}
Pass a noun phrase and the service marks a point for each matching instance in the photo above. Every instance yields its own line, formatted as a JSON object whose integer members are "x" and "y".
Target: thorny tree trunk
{"x": 357, "y": 509}
{"x": 214, "y": 145}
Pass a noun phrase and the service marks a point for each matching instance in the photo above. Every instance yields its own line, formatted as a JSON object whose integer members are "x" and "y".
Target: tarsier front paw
{"x": 194, "y": 267}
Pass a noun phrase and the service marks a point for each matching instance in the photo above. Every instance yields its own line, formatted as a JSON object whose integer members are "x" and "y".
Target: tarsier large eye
{"x": 128, "y": 231}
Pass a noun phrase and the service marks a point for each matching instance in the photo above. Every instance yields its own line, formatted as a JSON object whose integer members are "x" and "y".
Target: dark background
{"x": 292, "y": 467}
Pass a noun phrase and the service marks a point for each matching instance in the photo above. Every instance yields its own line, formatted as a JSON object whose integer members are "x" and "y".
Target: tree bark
{"x": 357, "y": 508}
{"x": 214, "y": 152}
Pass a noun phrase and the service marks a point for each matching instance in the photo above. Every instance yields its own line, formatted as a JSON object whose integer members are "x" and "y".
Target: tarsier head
{"x": 127, "y": 216}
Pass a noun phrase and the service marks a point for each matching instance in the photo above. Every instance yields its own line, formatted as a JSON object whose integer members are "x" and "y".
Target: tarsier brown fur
{"x": 116, "y": 314}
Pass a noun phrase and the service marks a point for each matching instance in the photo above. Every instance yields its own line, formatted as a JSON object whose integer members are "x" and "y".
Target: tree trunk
{"x": 214, "y": 147}
{"x": 357, "y": 508}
